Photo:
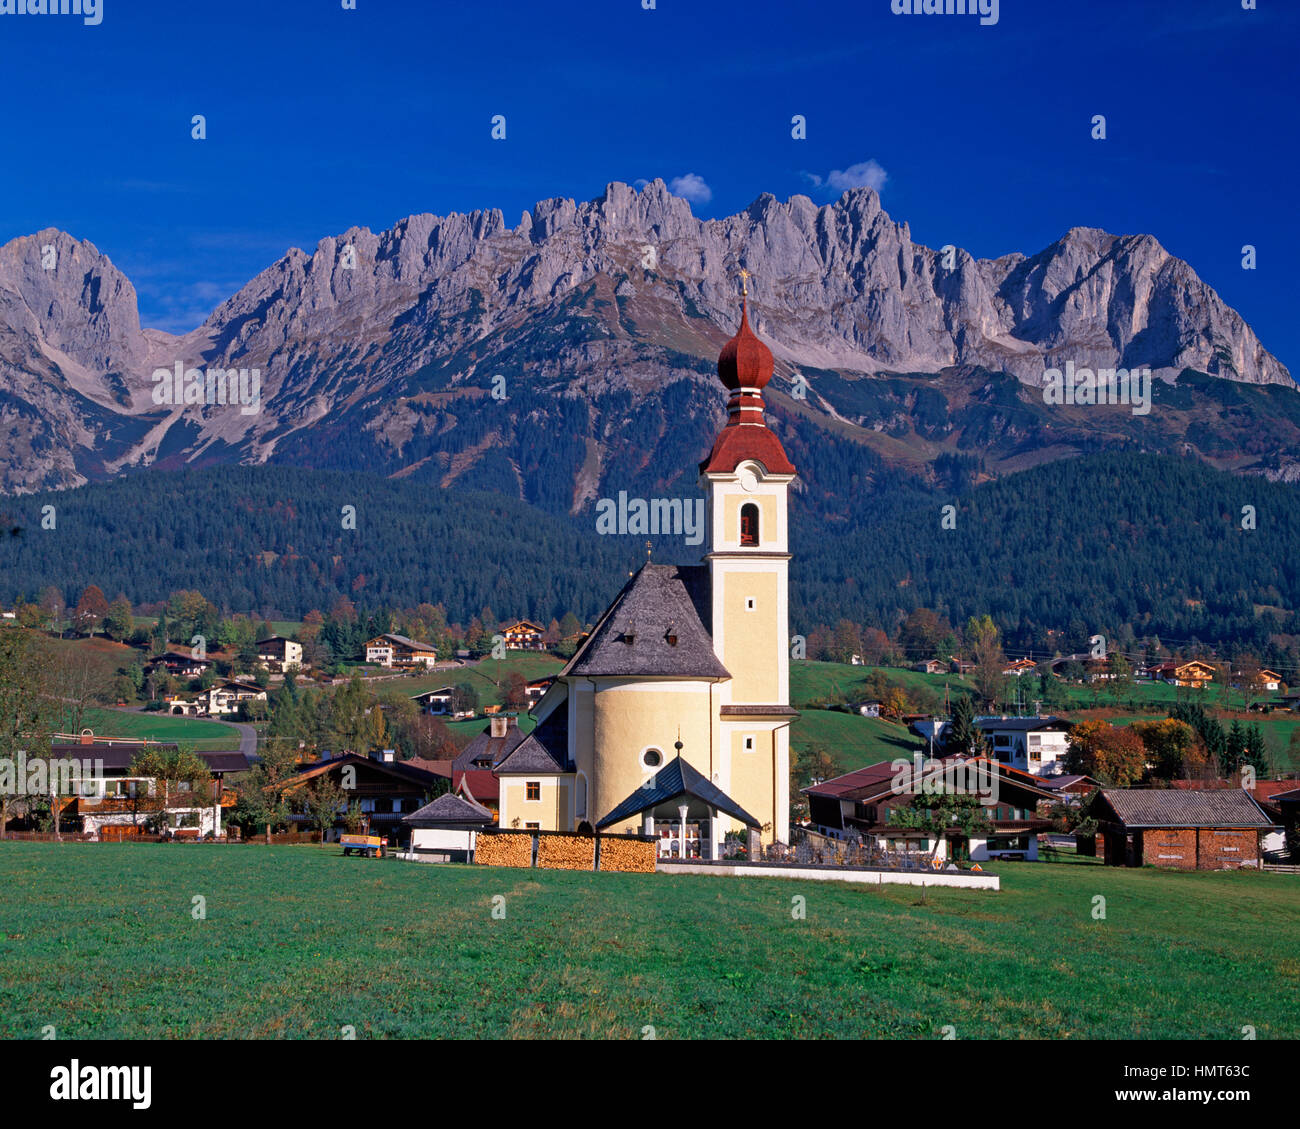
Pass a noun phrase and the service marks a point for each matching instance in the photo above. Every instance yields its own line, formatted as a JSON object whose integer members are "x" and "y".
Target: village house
{"x": 1184, "y": 829}
{"x": 225, "y": 697}
{"x": 179, "y": 664}
{"x": 1032, "y": 744}
{"x": 536, "y": 689}
{"x": 126, "y": 805}
{"x": 858, "y": 804}
{"x": 279, "y": 654}
{"x": 930, "y": 666}
{"x": 1194, "y": 673}
{"x": 870, "y": 708}
{"x": 397, "y": 651}
{"x": 1020, "y": 667}
{"x": 524, "y": 635}
{"x": 437, "y": 702}
{"x": 384, "y": 789}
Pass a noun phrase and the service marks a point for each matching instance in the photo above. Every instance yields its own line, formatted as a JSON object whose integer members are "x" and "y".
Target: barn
{"x": 1180, "y": 828}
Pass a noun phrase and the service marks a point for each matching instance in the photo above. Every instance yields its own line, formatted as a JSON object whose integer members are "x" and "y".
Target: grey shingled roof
{"x": 545, "y": 749}
{"x": 1177, "y": 807}
{"x": 487, "y": 748}
{"x": 449, "y": 808}
{"x": 676, "y": 778}
{"x": 657, "y": 601}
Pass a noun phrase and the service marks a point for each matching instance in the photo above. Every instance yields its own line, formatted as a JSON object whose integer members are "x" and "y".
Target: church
{"x": 673, "y": 717}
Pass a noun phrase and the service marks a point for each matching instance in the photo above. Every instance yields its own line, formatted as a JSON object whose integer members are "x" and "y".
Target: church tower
{"x": 746, "y": 480}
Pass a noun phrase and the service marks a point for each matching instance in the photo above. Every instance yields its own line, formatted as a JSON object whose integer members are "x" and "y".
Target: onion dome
{"x": 745, "y": 362}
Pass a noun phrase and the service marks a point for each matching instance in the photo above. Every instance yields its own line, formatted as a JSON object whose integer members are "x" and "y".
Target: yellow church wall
{"x": 551, "y": 812}
{"x": 752, "y": 639}
{"x": 629, "y": 715}
{"x": 751, "y": 777}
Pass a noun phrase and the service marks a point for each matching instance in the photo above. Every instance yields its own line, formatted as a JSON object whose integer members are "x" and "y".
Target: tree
{"x": 846, "y": 641}
{"x": 986, "y": 650}
{"x": 322, "y": 802}
{"x": 921, "y": 634}
{"x": 54, "y": 607}
{"x": 119, "y": 622}
{"x": 1173, "y": 749}
{"x": 1112, "y": 755}
{"x": 960, "y": 735}
{"x": 91, "y": 610}
{"x": 262, "y": 799}
{"x": 940, "y": 813}
{"x": 516, "y": 692}
{"x": 27, "y": 709}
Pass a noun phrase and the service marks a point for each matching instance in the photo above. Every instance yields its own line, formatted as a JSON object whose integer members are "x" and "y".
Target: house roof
{"x": 401, "y": 770}
{"x": 544, "y": 750}
{"x": 117, "y": 758}
{"x": 877, "y": 780}
{"x": 437, "y": 767}
{"x": 632, "y": 638}
{"x": 1059, "y": 783}
{"x": 402, "y": 640}
{"x": 676, "y": 778}
{"x": 1173, "y": 807}
{"x": 486, "y": 751}
{"x": 441, "y": 690}
{"x": 1023, "y": 725}
{"x": 524, "y": 625}
{"x": 450, "y": 809}
{"x": 480, "y": 783}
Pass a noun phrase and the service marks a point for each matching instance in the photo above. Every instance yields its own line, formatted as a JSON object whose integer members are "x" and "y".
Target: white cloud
{"x": 691, "y": 187}
{"x": 865, "y": 174}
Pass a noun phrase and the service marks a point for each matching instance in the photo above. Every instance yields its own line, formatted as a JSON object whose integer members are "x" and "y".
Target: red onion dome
{"x": 745, "y": 362}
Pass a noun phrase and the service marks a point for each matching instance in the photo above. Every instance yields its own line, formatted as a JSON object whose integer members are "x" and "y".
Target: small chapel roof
{"x": 676, "y": 778}
{"x": 654, "y": 627}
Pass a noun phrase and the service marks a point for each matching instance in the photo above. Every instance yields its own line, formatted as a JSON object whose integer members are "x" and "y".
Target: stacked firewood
{"x": 504, "y": 850}
{"x": 566, "y": 852}
{"x": 633, "y": 855}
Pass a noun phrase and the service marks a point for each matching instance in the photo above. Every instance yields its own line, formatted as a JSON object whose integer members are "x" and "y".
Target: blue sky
{"x": 319, "y": 118}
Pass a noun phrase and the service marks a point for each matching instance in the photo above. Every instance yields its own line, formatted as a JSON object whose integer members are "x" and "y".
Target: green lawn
{"x": 203, "y": 735}
{"x": 100, "y": 941}
{"x": 852, "y": 740}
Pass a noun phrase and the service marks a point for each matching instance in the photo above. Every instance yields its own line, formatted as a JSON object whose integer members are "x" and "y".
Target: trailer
{"x": 369, "y": 846}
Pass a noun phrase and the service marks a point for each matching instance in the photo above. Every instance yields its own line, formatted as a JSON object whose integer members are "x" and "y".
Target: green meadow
{"x": 106, "y": 942}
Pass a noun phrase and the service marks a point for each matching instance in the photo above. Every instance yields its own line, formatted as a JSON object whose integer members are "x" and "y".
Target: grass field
{"x": 100, "y": 941}
{"x": 202, "y": 735}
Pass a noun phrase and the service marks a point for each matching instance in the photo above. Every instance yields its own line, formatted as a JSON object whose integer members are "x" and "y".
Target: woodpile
{"x": 566, "y": 852}
{"x": 504, "y": 850}
{"x": 628, "y": 855}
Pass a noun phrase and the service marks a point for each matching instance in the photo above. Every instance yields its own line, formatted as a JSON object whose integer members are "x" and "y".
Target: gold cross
{"x": 744, "y": 283}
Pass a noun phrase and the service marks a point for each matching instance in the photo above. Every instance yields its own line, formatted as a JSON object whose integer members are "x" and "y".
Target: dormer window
{"x": 629, "y": 635}
{"x": 670, "y": 636}
{"x": 749, "y": 525}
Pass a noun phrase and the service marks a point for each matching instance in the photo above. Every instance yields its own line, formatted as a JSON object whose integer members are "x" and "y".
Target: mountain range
{"x": 572, "y": 356}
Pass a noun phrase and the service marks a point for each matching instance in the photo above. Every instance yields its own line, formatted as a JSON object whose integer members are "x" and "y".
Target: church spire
{"x": 745, "y": 366}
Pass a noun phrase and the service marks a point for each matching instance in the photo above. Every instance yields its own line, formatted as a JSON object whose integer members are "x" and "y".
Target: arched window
{"x": 749, "y": 524}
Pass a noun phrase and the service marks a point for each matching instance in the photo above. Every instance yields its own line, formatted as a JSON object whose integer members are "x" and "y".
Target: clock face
{"x": 748, "y": 480}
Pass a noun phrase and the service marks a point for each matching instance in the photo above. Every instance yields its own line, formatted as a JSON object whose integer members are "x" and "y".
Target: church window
{"x": 749, "y": 524}
{"x": 532, "y": 826}
{"x": 749, "y": 744}
{"x": 652, "y": 758}
{"x": 750, "y": 603}
{"x": 533, "y": 790}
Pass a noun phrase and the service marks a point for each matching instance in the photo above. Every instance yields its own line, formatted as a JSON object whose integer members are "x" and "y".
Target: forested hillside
{"x": 1120, "y": 544}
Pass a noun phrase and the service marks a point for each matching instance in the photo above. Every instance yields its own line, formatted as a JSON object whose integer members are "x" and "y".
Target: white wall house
{"x": 1031, "y": 744}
